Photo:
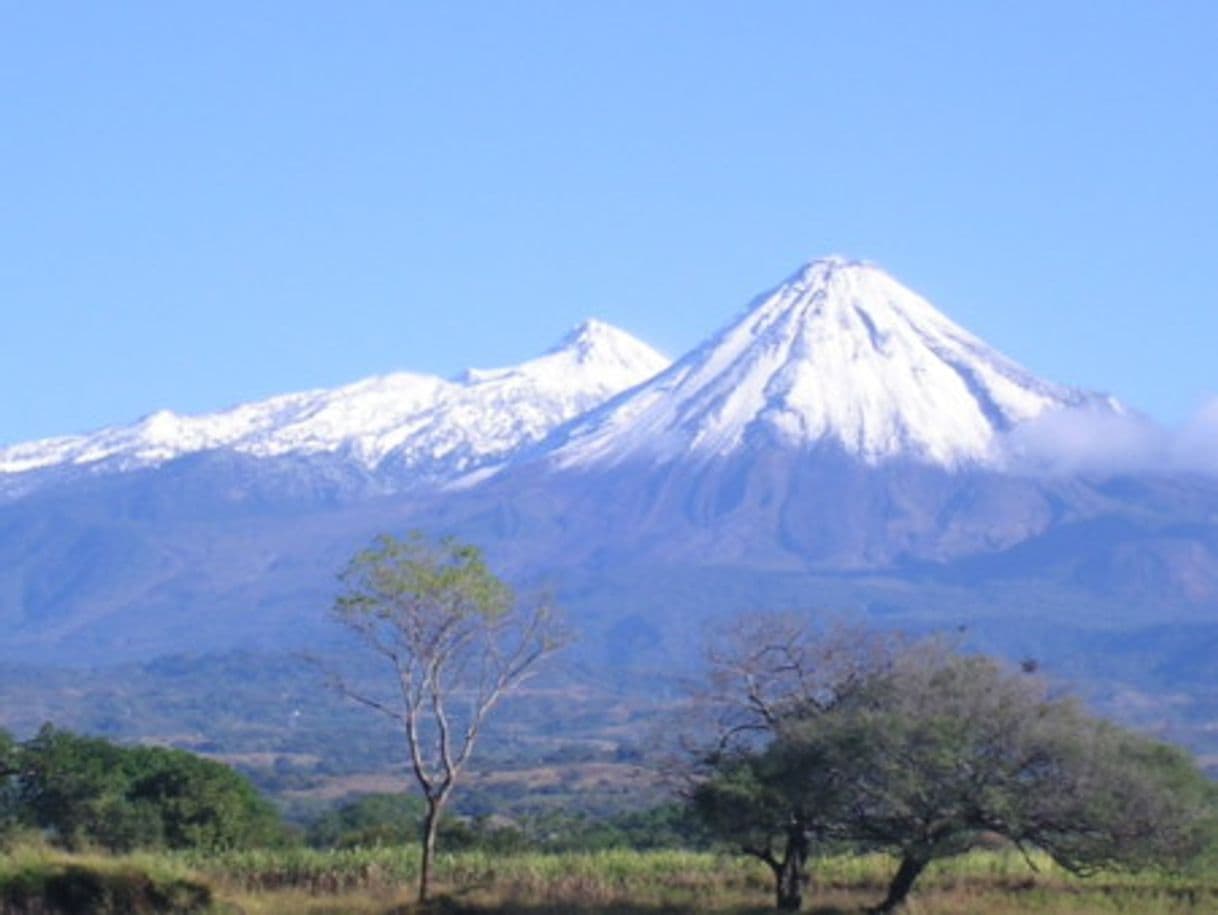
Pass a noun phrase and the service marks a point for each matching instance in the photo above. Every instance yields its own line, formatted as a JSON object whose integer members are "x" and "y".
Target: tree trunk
{"x": 902, "y": 883}
{"x": 789, "y": 873}
{"x": 789, "y": 885}
{"x": 431, "y": 822}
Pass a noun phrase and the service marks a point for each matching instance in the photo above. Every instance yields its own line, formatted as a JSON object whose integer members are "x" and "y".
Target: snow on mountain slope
{"x": 418, "y": 423}
{"x": 839, "y": 353}
{"x": 493, "y": 413}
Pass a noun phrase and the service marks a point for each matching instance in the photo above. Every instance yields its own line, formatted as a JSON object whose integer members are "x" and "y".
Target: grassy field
{"x": 379, "y": 882}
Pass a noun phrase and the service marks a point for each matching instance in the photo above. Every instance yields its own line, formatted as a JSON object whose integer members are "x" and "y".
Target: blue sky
{"x": 208, "y": 203}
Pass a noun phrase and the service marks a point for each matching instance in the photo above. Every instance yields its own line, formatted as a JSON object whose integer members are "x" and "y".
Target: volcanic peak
{"x": 839, "y": 354}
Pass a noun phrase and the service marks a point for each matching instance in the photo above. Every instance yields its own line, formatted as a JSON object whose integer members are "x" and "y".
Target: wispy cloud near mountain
{"x": 1087, "y": 440}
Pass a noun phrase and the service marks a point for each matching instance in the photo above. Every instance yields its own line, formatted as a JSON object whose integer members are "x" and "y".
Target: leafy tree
{"x": 750, "y": 802}
{"x": 89, "y": 791}
{"x": 1113, "y": 799}
{"x": 768, "y": 674}
{"x": 76, "y": 788}
{"x": 10, "y": 766}
{"x": 932, "y": 750}
{"x": 665, "y": 826}
{"x": 198, "y": 802}
{"x": 374, "y": 819}
{"x": 455, "y": 643}
{"x": 8, "y": 754}
{"x": 946, "y": 748}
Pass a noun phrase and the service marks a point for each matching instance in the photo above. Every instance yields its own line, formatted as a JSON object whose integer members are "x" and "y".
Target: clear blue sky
{"x": 207, "y": 203}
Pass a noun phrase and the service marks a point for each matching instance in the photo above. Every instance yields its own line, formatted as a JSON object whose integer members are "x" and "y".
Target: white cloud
{"x": 1097, "y": 440}
{"x": 1196, "y": 445}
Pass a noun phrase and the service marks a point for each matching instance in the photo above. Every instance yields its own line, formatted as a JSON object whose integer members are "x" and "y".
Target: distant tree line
{"x": 809, "y": 739}
{"x": 88, "y": 792}
{"x": 396, "y": 819}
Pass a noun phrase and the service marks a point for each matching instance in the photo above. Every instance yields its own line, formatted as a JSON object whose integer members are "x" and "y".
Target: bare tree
{"x": 769, "y": 670}
{"x": 455, "y": 641}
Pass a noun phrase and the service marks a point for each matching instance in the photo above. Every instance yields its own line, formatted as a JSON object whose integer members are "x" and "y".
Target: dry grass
{"x": 380, "y": 882}
{"x": 36, "y": 880}
{"x": 673, "y": 883}
{"x": 933, "y": 902}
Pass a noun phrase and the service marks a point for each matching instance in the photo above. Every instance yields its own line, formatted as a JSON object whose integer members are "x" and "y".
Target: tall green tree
{"x": 453, "y": 640}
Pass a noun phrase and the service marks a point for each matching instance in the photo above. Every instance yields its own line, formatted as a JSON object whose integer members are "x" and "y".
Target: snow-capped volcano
{"x": 840, "y": 353}
{"x": 839, "y": 444}
{"x": 422, "y": 424}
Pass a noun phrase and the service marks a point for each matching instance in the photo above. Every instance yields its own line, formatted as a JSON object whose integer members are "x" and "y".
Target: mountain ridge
{"x": 246, "y": 545}
{"x": 838, "y": 353}
{"x": 425, "y": 426}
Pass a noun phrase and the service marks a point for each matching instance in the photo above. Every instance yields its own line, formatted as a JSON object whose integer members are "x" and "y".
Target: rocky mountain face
{"x": 841, "y": 444}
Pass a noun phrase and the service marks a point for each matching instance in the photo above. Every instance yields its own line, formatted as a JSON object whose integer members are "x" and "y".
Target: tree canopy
{"x": 88, "y": 791}
{"x": 768, "y": 674}
{"x": 931, "y": 751}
